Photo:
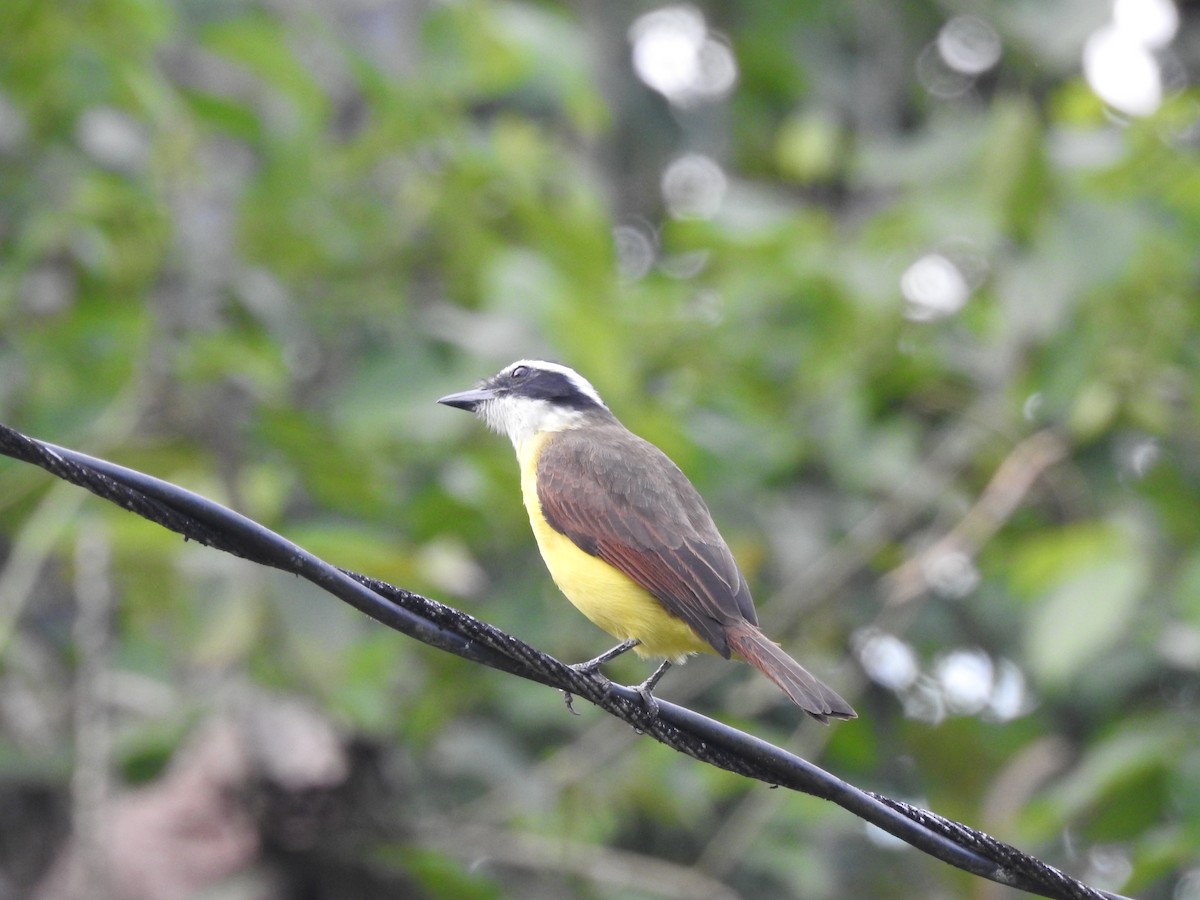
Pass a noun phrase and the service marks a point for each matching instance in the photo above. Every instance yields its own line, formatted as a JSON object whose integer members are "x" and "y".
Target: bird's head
{"x": 532, "y": 396}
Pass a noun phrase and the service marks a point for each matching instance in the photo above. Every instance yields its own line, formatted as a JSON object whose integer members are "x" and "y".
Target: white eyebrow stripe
{"x": 584, "y": 386}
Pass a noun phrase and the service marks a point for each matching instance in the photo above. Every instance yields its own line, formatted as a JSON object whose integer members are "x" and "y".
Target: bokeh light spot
{"x": 693, "y": 187}
{"x": 1152, "y": 23}
{"x": 966, "y": 678}
{"x": 1010, "y": 698}
{"x": 635, "y": 251}
{"x": 1123, "y": 61}
{"x": 938, "y": 78}
{"x": 934, "y": 288}
{"x": 969, "y": 45}
{"x": 1122, "y": 72}
{"x": 887, "y": 660}
{"x": 952, "y": 574}
{"x": 676, "y": 54}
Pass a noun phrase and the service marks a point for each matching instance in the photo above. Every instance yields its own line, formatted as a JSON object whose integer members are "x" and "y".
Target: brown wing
{"x": 621, "y": 499}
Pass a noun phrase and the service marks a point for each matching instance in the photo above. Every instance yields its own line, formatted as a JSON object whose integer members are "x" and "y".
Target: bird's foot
{"x": 592, "y": 666}
{"x": 648, "y": 699}
{"x": 646, "y": 688}
{"x": 587, "y": 668}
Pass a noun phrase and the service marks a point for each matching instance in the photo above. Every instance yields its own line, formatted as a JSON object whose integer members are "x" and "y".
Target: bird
{"x": 626, "y": 536}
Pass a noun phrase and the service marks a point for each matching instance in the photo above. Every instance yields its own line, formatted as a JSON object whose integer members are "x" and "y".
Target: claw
{"x": 592, "y": 665}
{"x": 646, "y": 687}
{"x": 648, "y": 699}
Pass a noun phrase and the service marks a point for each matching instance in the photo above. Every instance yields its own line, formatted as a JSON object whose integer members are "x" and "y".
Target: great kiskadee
{"x": 626, "y": 536}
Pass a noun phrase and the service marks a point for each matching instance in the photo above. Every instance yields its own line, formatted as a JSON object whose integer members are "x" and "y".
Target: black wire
{"x": 442, "y": 626}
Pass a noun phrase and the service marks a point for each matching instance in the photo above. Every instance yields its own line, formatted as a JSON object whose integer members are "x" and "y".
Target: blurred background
{"x": 908, "y": 289}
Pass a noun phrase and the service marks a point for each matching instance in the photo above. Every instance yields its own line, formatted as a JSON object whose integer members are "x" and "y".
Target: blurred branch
{"x": 999, "y": 500}
{"x": 434, "y": 623}
{"x": 620, "y": 870}
{"x": 87, "y": 871}
{"x": 828, "y": 575}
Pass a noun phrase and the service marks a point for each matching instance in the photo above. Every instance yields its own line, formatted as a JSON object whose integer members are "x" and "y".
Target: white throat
{"x": 521, "y": 418}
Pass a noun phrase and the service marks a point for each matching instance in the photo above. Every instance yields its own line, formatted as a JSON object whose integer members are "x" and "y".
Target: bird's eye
{"x": 519, "y": 372}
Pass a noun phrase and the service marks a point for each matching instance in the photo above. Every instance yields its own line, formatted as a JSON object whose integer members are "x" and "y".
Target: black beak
{"x": 467, "y": 400}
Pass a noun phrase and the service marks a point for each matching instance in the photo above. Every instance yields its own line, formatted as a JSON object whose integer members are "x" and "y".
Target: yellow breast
{"x": 607, "y": 596}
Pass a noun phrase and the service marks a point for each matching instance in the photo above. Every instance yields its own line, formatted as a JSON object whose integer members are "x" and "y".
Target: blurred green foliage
{"x": 244, "y": 247}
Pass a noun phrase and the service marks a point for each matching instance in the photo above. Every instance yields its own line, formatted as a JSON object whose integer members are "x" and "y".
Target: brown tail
{"x": 805, "y": 690}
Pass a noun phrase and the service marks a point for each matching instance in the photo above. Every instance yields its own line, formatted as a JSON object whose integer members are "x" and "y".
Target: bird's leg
{"x": 587, "y": 668}
{"x": 592, "y": 665}
{"x": 644, "y": 689}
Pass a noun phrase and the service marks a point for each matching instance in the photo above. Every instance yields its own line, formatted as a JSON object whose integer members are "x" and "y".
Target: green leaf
{"x": 1016, "y": 170}
{"x": 1140, "y": 750}
{"x": 1091, "y": 601}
